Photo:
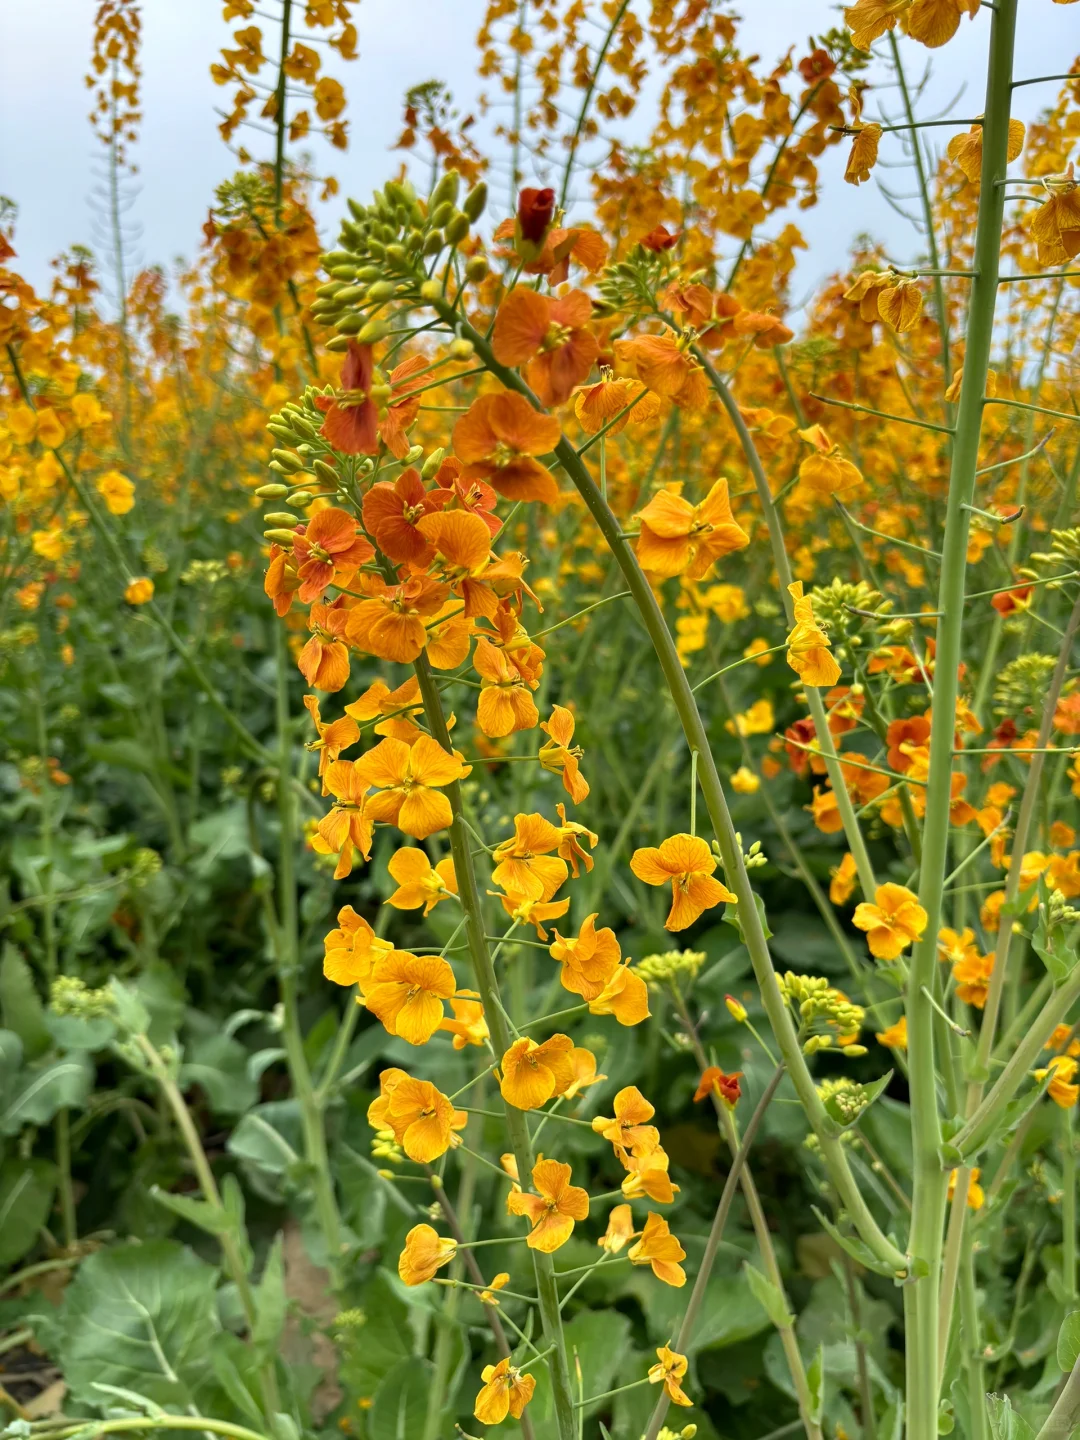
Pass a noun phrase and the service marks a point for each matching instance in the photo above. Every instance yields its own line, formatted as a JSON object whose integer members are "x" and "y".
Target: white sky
{"x": 46, "y": 148}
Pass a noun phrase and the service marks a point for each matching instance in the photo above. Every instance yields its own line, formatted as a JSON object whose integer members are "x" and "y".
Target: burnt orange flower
{"x": 505, "y": 704}
{"x": 660, "y": 1249}
{"x": 972, "y": 975}
{"x": 328, "y": 550}
{"x": 688, "y": 863}
{"x": 407, "y": 777}
{"x": 1062, "y": 1072}
{"x": 588, "y": 960}
{"x": 350, "y": 950}
{"x": 1055, "y": 225}
{"x": 679, "y": 537}
{"x": 659, "y": 239}
{"x": 715, "y": 1082}
{"x": 560, "y": 756}
{"x": 1011, "y": 602}
{"x": 390, "y": 623}
{"x": 505, "y": 1391}
{"x": 669, "y": 1371}
{"x": 535, "y": 212}
{"x": 524, "y": 864}
{"x": 461, "y": 559}
{"x": 324, "y": 660}
{"x": 843, "y": 878}
{"x": 553, "y": 1211}
{"x": 406, "y": 992}
{"x": 281, "y": 581}
{"x": 905, "y": 737}
{"x": 333, "y": 738}
{"x": 391, "y": 512}
{"x": 666, "y": 366}
{"x": 498, "y": 440}
{"x": 403, "y": 406}
{"x": 598, "y": 404}
{"x": 766, "y": 329}
{"x": 472, "y": 496}
{"x": 420, "y": 882}
{"x": 571, "y": 836}
{"x": 349, "y": 825}
{"x": 549, "y": 337}
{"x": 352, "y": 422}
{"x": 532, "y": 1074}
{"x": 425, "y": 1252}
{"x": 892, "y": 921}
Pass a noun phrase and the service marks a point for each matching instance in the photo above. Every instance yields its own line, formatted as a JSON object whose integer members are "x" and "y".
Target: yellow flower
{"x": 744, "y": 781}
{"x": 139, "y": 591}
{"x": 117, "y": 491}
{"x": 976, "y": 1195}
{"x": 670, "y": 1371}
{"x": 895, "y": 1037}
{"x": 425, "y": 1252}
{"x": 1062, "y": 1070}
{"x": 808, "y": 651}
{"x": 842, "y": 883}
{"x": 892, "y": 922}
{"x": 506, "y": 1391}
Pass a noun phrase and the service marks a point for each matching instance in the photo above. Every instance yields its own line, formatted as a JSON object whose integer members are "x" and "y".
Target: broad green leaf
{"x": 43, "y": 1089}
{"x": 854, "y": 1247}
{"x": 869, "y": 1094}
{"x": 268, "y": 1137}
{"x": 768, "y": 1297}
{"x": 211, "y": 1218}
{"x": 385, "y": 1338}
{"x": 1005, "y": 1423}
{"x": 236, "y": 1366}
{"x": 21, "y": 1009}
{"x": 399, "y": 1407}
{"x": 143, "y": 1317}
{"x": 11, "y": 1058}
{"x": 218, "y": 1065}
{"x": 1068, "y": 1342}
{"x": 26, "y": 1195}
{"x": 76, "y": 1032}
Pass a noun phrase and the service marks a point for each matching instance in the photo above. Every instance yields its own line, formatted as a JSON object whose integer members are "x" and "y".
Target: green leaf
{"x": 131, "y": 1014}
{"x": 602, "y": 1339}
{"x": 42, "y": 1090}
{"x": 76, "y": 1032}
{"x": 143, "y": 1317}
{"x": 399, "y": 1407}
{"x": 236, "y": 1367}
{"x": 1005, "y": 1423}
{"x": 869, "y": 1093}
{"x": 140, "y": 1404}
{"x": 218, "y": 1065}
{"x": 1050, "y": 942}
{"x": 815, "y": 1382}
{"x": 385, "y": 1339}
{"x": 26, "y": 1195}
{"x": 1068, "y": 1341}
{"x": 11, "y": 1058}
{"x": 854, "y": 1247}
{"x": 268, "y": 1137}
{"x": 768, "y": 1297}
{"x": 21, "y": 1009}
{"x": 211, "y": 1218}
{"x": 270, "y": 1301}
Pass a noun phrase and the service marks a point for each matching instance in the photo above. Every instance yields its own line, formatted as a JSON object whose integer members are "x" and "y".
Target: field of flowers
{"x": 539, "y": 780}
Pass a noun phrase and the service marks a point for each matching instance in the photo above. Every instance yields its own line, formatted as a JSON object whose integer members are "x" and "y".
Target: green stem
{"x": 1068, "y": 1205}
{"x": 63, "y": 1165}
{"x": 487, "y": 984}
{"x": 575, "y": 139}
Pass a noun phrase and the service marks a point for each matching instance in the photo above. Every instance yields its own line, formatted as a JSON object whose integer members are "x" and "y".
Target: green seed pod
{"x": 414, "y": 454}
{"x": 350, "y": 324}
{"x": 440, "y": 215}
{"x": 475, "y": 201}
{"x": 433, "y": 242}
{"x": 288, "y": 460}
{"x": 431, "y": 464}
{"x": 283, "y": 537}
{"x": 300, "y": 499}
{"x": 446, "y": 190}
{"x": 381, "y": 290}
{"x": 376, "y": 249}
{"x": 332, "y": 287}
{"x": 456, "y": 228}
{"x": 342, "y": 272}
{"x": 325, "y": 471}
{"x": 476, "y": 269}
{"x": 281, "y": 517}
{"x": 373, "y": 331}
{"x": 367, "y": 273}
{"x": 337, "y": 344}
{"x": 357, "y": 210}
{"x": 272, "y": 492}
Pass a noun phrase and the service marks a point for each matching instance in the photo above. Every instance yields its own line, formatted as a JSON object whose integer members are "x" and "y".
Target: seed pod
{"x": 433, "y": 242}
{"x": 300, "y": 499}
{"x": 381, "y": 290}
{"x": 281, "y": 517}
{"x": 350, "y": 294}
{"x": 288, "y": 460}
{"x": 477, "y": 269}
{"x": 440, "y": 215}
{"x": 272, "y": 492}
{"x": 456, "y": 228}
{"x": 431, "y": 465}
{"x": 475, "y": 201}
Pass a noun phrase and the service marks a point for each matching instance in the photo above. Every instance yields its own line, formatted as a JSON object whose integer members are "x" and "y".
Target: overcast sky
{"x": 47, "y": 151}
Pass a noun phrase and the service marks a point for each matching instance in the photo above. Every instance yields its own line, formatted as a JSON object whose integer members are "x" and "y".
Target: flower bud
{"x": 431, "y": 290}
{"x": 299, "y": 498}
{"x": 460, "y": 349}
{"x": 287, "y": 459}
{"x": 281, "y": 537}
{"x": 446, "y": 191}
{"x": 337, "y": 344}
{"x": 397, "y": 255}
{"x": 349, "y": 294}
{"x": 535, "y": 215}
{"x": 414, "y": 455}
{"x": 477, "y": 269}
{"x": 441, "y": 214}
{"x": 431, "y": 464}
{"x": 736, "y": 1010}
{"x": 272, "y": 492}
{"x": 325, "y": 471}
{"x": 854, "y": 1051}
{"x": 433, "y": 243}
{"x": 475, "y": 201}
{"x": 374, "y": 330}
{"x": 456, "y": 228}
{"x": 281, "y": 517}
{"x": 350, "y": 324}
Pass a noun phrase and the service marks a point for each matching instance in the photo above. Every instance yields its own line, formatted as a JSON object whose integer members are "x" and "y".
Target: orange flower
{"x": 420, "y": 1116}
{"x": 472, "y": 496}
{"x": 976, "y": 1195}
{"x": 677, "y": 536}
{"x": 895, "y": 1036}
{"x": 826, "y": 472}
{"x": 351, "y": 424}
{"x": 628, "y": 1129}
{"x": 715, "y": 1082}
{"x": 281, "y": 581}
{"x": 1062, "y": 1070}
{"x": 972, "y": 975}
{"x": 571, "y": 835}
{"x": 598, "y": 404}
{"x": 842, "y": 883}
{"x": 903, "y": 738}
{"x": 535, "y": 212}
{"x": 532, "y": 1074}
{"x": 324, "y": 660}
{"x": 660, "y": 1249}
{"x": 648, "y": 1175}
{"x": 533, "y": 912}
{"x": 397, "y": 706}
{"x": 559, "y": 756}
{"x": 620, "y": 1229}
{"x": 333, "y": 738}
{"x": 328, "y": 550}
{"x": 505, "y": 704}
{"x": 766, "y": 329}
{"x": 893, "y": 921}
{"x": 549, "y": 337}
{"x": 351, "y": 950}
{"x": 498, "y": 440}
{"x": 584, "y": 1063}
{"x": 688, "y": 863}
{"x": 669, "y": 1372}
{"x": 391, "y": 513}
{"x": 506, "y": 1391}
{"x": 524, "y": 864}
{"x": 589, "y": 960}
{"x": 406, "y": 776}
{"x": 554, "y": 1210}
{"x": 419, "y": 882}
{"x": 406, "y": 992}
{"x": 808, "y": 646}
{"x": 390, "y": 623}
{"x": 1012, "y": 602}
{"x": 403, "y": 407}
{"x": 461, "y": 545}
{"x": 625, "y": 995}
{"x": 666, "y": 366}
{"x": 349, "y": 825}
{"x": 425, "y": 1252}
{"x": 1055, "y": 225}
{"x": 468, "y": 1026}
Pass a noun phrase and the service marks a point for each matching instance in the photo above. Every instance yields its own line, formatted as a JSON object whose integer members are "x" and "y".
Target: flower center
{"x": 555, "y": 337}
{"x": 503, "y": 454}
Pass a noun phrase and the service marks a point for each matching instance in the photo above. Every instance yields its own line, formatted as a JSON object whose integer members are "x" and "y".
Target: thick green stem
{"x": 930, "y": 1179}
{"x": 712, "y": 790}
{"x": 487, "y": 984}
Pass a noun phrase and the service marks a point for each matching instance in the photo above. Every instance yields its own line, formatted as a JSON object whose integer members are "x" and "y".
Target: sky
{"x": 47, "y": 152}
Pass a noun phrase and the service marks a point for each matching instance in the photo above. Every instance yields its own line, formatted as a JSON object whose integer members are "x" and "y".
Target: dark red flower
{"x": 659, "y": 239}
{"x": 536, "y": 210}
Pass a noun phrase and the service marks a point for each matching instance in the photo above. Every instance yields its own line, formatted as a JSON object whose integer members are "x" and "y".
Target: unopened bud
{"x": 476, "y": 269}
{"x": 337, "y": 344}
{"x": 271, "y": 492}
{"x": 854, "y": 1051}
{"x": 280, "y": 517}
{"x": 446, "y": 191}
{"x": 350, "y": 324}
{"x": 431, "y": 290}
{"x": 461, "y": 349}
{"x": 325, "y": 471}
{"x": 373, "y": 331}
{"x": 735, "y": 1009}
{"x": 431, "y": 465}
{"x": 281, "y": 537}
{"x": 287, "y": 459}
{"x": 414, "y": 455}
{"x": 300, "y": 498}
{"x": 475, "y": 201}
{"x": 456, "y": 228}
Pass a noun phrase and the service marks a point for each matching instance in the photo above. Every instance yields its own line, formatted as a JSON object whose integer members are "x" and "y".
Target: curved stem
{"x": 587, "y": 101}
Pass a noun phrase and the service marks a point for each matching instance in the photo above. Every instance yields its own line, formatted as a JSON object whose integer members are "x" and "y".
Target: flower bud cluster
{"x": 659, "y": 970}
